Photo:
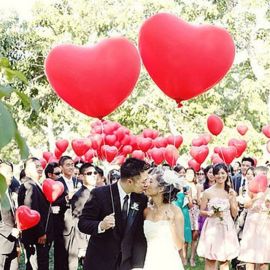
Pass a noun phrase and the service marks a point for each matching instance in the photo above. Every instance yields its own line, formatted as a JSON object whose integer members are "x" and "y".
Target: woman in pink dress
{"x": 218, "y": 241}
{"x": 255, "y": 243}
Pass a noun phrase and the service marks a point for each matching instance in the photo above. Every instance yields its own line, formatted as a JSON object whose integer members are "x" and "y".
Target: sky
{"x": 23, "y": 7}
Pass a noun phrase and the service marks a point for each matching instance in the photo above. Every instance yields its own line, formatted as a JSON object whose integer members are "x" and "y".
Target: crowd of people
{"x": 137, "y": 216}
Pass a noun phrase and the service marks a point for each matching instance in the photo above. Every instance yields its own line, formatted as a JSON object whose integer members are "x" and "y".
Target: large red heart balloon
{"x": 240, "y": 145}
{"x": 215, "y": 124}
{"x": 26, "y": 218}
{"x": 258, "y": 184}
{"x": 199, "y": 153}
{"x": 184, "y": 60}
{"x": 109, "y": 152}
{"x": 242, "y": 129}
{"x": 266, "y": 131}
{"x": 47, "y": 156}
{"x": 157, "y": 154}
{"x": 52, "y": 189}
{"x": 94, "y": 80}
{"x": 62, "y": 145}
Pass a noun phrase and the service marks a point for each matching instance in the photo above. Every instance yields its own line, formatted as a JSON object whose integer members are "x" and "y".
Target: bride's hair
{"x": 169, "y": 190}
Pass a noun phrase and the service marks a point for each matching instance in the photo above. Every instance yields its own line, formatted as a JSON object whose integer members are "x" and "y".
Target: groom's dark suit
{"x": 122, "y": 247}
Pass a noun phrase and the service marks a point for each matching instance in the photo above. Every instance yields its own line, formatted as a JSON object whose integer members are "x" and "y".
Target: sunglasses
{"x": 57, "y": 173}
{"x": 90, "y": 173}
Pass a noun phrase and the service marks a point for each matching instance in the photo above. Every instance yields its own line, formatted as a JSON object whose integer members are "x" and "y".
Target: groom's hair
{"x": 133, "y": 167}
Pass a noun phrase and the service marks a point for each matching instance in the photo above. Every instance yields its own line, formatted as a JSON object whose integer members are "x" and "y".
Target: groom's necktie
{"x": 125, "y": 211}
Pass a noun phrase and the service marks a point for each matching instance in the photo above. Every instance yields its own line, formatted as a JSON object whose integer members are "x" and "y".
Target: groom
{"x": 114, "y": 219}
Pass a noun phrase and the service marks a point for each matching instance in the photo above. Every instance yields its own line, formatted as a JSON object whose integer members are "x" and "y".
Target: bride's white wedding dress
{"x": 161, "y": 252}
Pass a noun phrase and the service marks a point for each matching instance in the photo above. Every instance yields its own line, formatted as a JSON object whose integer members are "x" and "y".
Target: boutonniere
{"x": 134, "y": 207}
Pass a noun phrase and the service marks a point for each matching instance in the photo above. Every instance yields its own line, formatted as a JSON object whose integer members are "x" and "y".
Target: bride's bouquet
{"x": 218, "y": 208}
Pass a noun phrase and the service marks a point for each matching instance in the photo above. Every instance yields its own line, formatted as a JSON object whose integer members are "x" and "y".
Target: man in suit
{"x": 239, "y": 179}
{"x": 78, "y": 240}
{"x": 37, "y": 240}
{"x": 8, "y": 232}
{"x": 63, "y": 217}
{"x": 114, "y": 219}
{"x": 52, "y": 170}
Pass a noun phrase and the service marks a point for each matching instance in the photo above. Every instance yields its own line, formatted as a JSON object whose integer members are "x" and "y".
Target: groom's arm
{"x": 89, "y": 219}
{"x": 139, "y": 247}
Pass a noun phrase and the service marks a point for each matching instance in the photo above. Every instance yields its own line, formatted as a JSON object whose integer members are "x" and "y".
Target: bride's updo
{"x": 166, "y": 179}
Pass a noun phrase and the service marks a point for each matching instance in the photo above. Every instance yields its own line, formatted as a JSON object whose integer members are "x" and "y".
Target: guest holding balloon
{"x": 37, "y": 240}
{"x": 194, "y": 212}
{"x": 218, "y": 241}
{"x": 255, "y": 244}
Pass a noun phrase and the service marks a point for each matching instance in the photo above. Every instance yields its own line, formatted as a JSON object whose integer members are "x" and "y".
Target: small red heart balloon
{"x": 109, "y": 152}
{"x": 157, "y": 154}
{"x": 184, "y": 60}
{"x": 110, "y": 139}
{"x": 171, "y": 155}
{"x": 266, "y": 131}
{"x": 26, "y": 218}
{"x": 120, "y": 133}
{"x": 43, "y": 162}
{"x": 199, "y": 153}
{"x": 62, "y": 145}
{"x": 89, "y": 155}
{"x": 228, "y": 154}
{"x": 138, "y": 154}
{"x": 52, "y": 189}
{"x": 81, "y": 146}
{"x": 216, "y": 159}
{"x": 160, "y": 142}
{"x": 144, "y": 144}
{"x": 240, "y": 145}
{"x": 57, "y": 153}
{"x": 47, "y": 156}
{"x": 94, "y": 80}
{"x": 199, "y": 141}
{"x": 175, "y": 140}
{"x": 242, "y": 129}
{"x": 214, "y": 124}
{"x": 126, "y": 150}
{"x": 258, "y": 184}
{"x": 194, "y": 165}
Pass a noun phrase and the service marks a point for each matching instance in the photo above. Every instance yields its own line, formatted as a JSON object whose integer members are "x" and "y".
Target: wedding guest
{"x": 218, "y": 241}
{"x": 255, "y": 244}
{"x": 52, "y": 170}
{"x": 180, "y": 170}
{"x": 194, "y": 212}
{"x": 200, "y": 176}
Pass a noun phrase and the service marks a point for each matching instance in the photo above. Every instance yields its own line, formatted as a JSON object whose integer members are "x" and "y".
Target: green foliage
{"x": 242, "y": 96}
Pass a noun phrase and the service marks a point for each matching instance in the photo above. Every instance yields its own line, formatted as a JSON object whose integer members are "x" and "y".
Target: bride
{"x": 163, "y": 225}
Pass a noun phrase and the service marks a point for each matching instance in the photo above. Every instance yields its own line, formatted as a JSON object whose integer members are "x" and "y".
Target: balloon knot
{"x": 179, "y": 104}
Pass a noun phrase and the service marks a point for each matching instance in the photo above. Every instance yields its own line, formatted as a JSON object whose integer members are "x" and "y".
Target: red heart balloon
{"x": 194, "y": 165}
{"x": 62, "y": 145}
{"x": 214, "y": 124}
{"x": 199, "y": 141}
{"x": 110, "y": 139}
{"x": 43, "y": 162}
{"x": 157, "y": 154}
{"x": 240, "y": 145}
{"x": 266, "y": 131}
{"x": 150, "y": 133}
{"x": 144, "y": 144}
{"x": 26, "y": 218}
{"x": 175, "y": 140}
{"x": 57, "y": 153}
{"x": 199, "y": 153}
{"x": 47, "y": 156}
{"x": 138, "y": 154}
{"x": 207, "y": 137}
{"x": 242, "y": 129}
{"x": 228, "y": 154}
{"x": 96, "y": 141}
{"x": 171, "y": 155}
{"x": 184, "y": 60}
{"x": 120, "y": 133}
{"x": 89, "y": 155}
{"x": 216, "y": 159}
{"x": 126, "y": 150}
{"x": 94, "y": 80}
{"x": 81, "y": 146}
{"x": 160, "y": 142}
{"x": 258, "y": 184}
{"x": 109, "y": 152}
{"x": 52, "y": 189}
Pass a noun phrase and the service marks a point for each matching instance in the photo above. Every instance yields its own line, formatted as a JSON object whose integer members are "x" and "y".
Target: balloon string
{"x": 103, "y": 139}
{"x": 48, "y": 216}
{"x": 222, "y": 154}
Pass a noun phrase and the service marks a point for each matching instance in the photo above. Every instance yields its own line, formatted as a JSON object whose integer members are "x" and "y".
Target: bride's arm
{"x": 178, "y": 231}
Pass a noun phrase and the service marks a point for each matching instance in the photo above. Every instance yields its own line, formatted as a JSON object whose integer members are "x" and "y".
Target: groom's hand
{"x": 108, "y": 222}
